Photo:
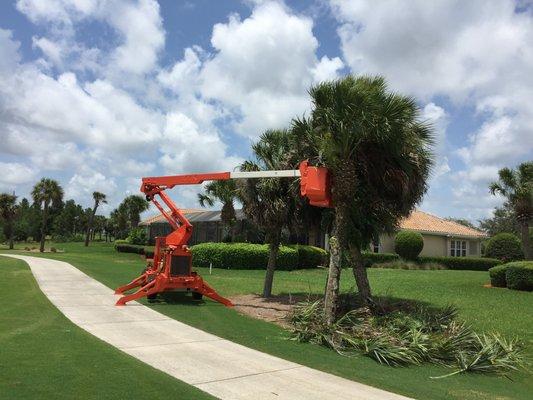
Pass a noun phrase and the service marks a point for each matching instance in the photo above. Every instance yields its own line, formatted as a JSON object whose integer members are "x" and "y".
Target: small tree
{"x": 224, "y": 191}
{"x": 268, "y": 202}
{"x": 8, "y": 212}
{"x": 45, "y": 193}
{"x": 408, "y": 244}
{"x": 98, "y": 199}
{"x": 517, "y": 187}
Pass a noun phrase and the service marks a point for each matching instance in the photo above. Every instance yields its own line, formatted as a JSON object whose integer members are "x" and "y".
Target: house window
{"x": 458, "y": 248}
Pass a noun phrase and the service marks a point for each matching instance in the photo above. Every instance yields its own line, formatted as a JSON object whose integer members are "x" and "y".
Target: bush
{"x": 462, "y": 263}
{"x": 519, "y": 275}
{"x": 497, "y": 275}
{"x": 129, "y": 248}
{"x": 409, "y": 265}
{"x": 408, "y": 244}
{"x": 137, "y": 236}
{"x": 504, "y": 246}
{"x": 254, "y": 256}
{"x": 310, "y": 256}
{"x": 370, "y": 258}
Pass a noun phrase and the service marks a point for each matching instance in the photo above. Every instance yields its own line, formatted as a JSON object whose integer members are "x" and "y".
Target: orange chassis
{"x": 171, "y": 267}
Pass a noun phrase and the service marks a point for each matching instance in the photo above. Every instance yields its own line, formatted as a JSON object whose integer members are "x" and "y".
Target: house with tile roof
{"x": 441, "y": 237}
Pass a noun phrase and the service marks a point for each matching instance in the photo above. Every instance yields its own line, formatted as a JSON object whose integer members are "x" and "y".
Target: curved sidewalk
{"x": 217, "y": 366}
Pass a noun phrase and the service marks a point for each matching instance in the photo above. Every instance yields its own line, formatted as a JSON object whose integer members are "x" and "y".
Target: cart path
{"x": 217, "y": 366}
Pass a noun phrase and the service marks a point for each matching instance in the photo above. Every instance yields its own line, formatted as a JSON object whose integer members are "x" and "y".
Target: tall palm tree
{"x": 8, "y": 212}
{"x": 379, "y": 153}
{"x": 98, "y": 199}
{"x": 225, "y": 192}
{"x": 517, "y": 186}
{"x": 46, "y": 192}
{"x": 268, "y": 202}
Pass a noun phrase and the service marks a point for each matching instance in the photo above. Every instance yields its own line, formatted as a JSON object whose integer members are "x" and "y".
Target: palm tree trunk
{"x": 43, "y": 226}
{"x": 271, "y": 266}
{"x": 11, "y": 235}
{"x": 526, "y": 243}
{"x": 334, "y": 274}
{"x": 89, "y": 226}
{"x": 360, "y": 275}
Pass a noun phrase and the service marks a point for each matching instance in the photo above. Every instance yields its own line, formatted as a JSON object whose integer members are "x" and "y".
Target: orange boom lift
{"x": 171, "y": 267}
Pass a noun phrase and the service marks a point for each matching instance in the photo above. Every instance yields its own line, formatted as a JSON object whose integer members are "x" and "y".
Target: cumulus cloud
{"x": 14, "y": 174}
{"x": 261, "y": 68}
{"x": 475, "y": 54}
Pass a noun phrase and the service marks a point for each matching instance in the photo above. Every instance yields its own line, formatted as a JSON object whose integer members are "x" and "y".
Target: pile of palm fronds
{"x": 400, "y": 333}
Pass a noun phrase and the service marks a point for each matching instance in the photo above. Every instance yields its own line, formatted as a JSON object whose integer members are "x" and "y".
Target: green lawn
{"x": 508, "y": 312}
{"x": 45, "y": 356}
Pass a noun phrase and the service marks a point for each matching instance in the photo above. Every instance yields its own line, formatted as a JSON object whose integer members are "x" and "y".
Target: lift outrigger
{"x": 171, "y": 267}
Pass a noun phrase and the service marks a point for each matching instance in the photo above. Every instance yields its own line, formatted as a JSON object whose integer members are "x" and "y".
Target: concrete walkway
{"x": 222, "y": 368}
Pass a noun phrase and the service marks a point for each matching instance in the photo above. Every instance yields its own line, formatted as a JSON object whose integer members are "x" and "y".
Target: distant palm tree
{"x": 98, "y": 199}
{"x": 45, "y": 192}
{"x": 517, "y": 186}
{"x": 269, "y": 202}
{"x": 378, "y": 151}
{"x": 225, "y": 192}
{"x": 134, "y": 205}
{"x": 8, "y": 212}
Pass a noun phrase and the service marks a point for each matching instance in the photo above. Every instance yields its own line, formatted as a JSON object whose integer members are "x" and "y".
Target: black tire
{"x": 197, "y": 296}
{"x": 152, "y": 296}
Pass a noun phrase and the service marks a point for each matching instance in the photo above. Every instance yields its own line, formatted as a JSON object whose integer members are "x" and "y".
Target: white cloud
{"x": 12, "y": 174}
{"x": 477, "y": 54}
{"x": 263, "y": 67}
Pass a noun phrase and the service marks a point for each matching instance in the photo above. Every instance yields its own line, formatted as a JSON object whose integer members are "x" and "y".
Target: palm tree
{"x": 269, "y": 202}
{"x": 517, "y": 186}
{"x": 98, "y": 199}
{"x": 378, "y": 152}
{"x": 8, "y": 212}
{"x": 45, "y": 192}
{"x": 225, "y": 192}
{"x": 134, "y": 205}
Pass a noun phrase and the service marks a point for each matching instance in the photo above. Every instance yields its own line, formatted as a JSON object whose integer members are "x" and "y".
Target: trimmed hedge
{"x": 408, "y": 244}
{"x": 254, "y": 256}
{"x": 497, "y": 276}
{"x": 504, "y": 246}
{"x": 462, "y": 263}
{"x": 370, "y": 258}
{"x": 129, "y": 248}
{"x": 310, "y": 256}
{"x": 519, "y": 275}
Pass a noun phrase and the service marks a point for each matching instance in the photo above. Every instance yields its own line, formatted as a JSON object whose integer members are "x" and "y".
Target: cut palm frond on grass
{"x": 407, "y": 334}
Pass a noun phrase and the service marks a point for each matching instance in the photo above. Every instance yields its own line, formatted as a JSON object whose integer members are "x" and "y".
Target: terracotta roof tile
{"x": 159, "y": 217}
{"x": 424, "y": 222}
{"x": 418, "y": 221}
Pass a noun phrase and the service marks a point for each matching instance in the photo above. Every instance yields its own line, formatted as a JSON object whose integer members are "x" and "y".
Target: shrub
{"x": 254, "y": 256}
{"x": 370, "y": 258}
{"x": 408, "y": 244}
{"x": 519, "y": 275}
{"x": 309, "y": 256}
{"x": 504, "y": 246}
{"x": 497, "y": 275}
{"x": 409, "y": 265}
{"x": 137, "y": 236}
{"x": 129, "y": 248}
{"x": 462, "y": 263}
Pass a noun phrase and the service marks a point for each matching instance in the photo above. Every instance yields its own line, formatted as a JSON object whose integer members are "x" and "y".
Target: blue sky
{"x": 98, "y": 93}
